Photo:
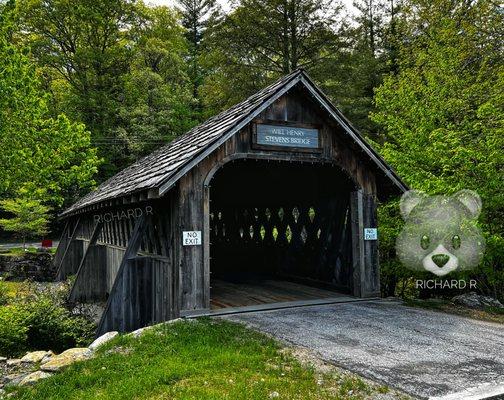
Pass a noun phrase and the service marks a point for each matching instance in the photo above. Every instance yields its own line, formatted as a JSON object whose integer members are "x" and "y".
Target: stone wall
{"x": 35, "y": 266}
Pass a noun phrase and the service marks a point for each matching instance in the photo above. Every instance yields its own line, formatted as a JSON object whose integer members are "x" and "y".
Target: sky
{"x": 225, "y": 3}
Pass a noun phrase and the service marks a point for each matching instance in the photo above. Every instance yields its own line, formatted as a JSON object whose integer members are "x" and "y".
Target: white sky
{"x": 226, "y": 4}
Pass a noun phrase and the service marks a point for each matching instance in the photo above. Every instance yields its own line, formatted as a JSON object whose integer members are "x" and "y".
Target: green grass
{"x": 19, "y": 251}
{"x": 12, "y": 288}
{"x": 490, "y": 314}
{"x": 204, "y": 359}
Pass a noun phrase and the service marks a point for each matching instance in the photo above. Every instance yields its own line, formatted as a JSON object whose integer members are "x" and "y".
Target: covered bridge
{"x": 271, "y": 201}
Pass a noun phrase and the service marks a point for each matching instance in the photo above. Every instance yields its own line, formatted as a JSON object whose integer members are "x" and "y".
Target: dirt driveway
{"x": 424, "y": 353}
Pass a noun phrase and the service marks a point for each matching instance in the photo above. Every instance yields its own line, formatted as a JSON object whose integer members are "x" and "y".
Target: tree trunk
{"x": 293, "y": 35}
{"x": 285, "y": 38}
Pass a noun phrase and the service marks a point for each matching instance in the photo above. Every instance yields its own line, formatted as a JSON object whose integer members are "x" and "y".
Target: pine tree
{"x": 197, "y": 15}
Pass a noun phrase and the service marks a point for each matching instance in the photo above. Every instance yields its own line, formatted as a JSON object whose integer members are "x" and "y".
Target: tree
{"x": 117, "y": 66}
{"x": 367, "y": 54}
{"x": 37, "y": 151}
{"x": 442, "y": 113}
{"x": 157, "y": 102}
{"x": 197, "y": 15}
{"x": 84, "y": 48}
{"x": 261, "y": 40}
{"x": 370, "y": 22}
{"x": 30, "y": 216}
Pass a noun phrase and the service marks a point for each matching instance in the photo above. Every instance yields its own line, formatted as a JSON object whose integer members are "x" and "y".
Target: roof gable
{"x": 160, "y": 170}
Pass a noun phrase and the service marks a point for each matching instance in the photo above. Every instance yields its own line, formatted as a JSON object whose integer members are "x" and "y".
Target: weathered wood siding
{"x": 192, "y": 195}
{"x": 143, "y": 295}
{"x": 113, "y": 256}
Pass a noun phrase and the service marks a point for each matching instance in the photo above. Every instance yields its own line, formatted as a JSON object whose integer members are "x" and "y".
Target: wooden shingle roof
{"x": 160, "y": 170}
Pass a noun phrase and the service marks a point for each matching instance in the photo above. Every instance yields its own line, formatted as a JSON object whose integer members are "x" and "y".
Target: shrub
{"x": 4, "y": 294}
{"x": 51, "y": 326}
{"x": 13, "y": 331}
{"x": 39, "y": 320}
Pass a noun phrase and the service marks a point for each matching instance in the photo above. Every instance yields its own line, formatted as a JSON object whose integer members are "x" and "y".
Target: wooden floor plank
{"x": 225, "y": 294}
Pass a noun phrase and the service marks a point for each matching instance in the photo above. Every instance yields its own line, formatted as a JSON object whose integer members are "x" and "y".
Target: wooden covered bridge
{"x": 271, "y": 201}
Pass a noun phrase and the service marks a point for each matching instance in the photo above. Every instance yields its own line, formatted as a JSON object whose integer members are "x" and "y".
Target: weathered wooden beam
{"x": 357, "y": 221}
{"x": 62, "y": 270}
{"x": 62, "y": 245}
{"x": 366, "y": 272}
{"x": 85, "y": 287}
{"x": 371, "y": 287}
{"x": 131, "y": 251}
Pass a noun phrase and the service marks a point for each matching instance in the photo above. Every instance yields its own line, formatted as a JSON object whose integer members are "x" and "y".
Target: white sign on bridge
{"x": 370, "y": 234}
{"x": 191, "y": 238}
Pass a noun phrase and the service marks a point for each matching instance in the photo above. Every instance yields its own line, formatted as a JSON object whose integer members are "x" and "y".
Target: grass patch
{"x": 12, "y": 288}
{"x": 204, "y": 359}
{"x": 490, "y": 314}
{"x": 19, "y": 251}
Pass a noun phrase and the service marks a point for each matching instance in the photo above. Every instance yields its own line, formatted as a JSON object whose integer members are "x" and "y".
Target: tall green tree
{"x": 197, "y": 16}
{"x": 36, "y": 150}
{"x": 442, "y": 113}
{"x": 366, "y": 55}
{"x": 263, "y": 39}
{"x": 84, "y": 46}
{"x": 118, "y": 66}
{"x": 157, "y": 103}
{"x": 28, "y": 216}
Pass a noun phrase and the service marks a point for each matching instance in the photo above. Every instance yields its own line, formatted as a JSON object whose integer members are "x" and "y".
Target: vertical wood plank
{"x": 357, "y": 220}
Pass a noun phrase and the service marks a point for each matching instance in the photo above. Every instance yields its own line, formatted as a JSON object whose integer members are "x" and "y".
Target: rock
{"x": 103, "y": 339}
{"x": 3, "y": 359}
{"x": 47, "y": 357}
{"x": 34, "y": 377}
{"x": 474, "y": 300}
{"x": 14, "y": 379}
{"x": 36, "y": 356}
{"x": 139, "y": 331}
{"x": 172, "y": 321}
{"x": 14, "y": 362}
{"x": 66, "y": 358}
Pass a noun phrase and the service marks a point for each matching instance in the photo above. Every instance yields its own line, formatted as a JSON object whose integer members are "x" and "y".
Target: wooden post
{"x": 65, "y": 265}
{"x": 62, "y": 245}
{"x": 366, "y": 272}
{"x": 90, "y": 281}
{"x": 206, "y": 246}
{"x": 357, "y": 218}
{"x": 371, "y": 282}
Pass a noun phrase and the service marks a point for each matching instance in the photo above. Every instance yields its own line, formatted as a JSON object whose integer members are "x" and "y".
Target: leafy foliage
{"x": 442, "y": 113}
{"x": 30, "y": 216}
{"x": 157, "y": 101}
{"x": 43, "y": 152}
{"x": 118, "y": 67}
{"x": 38, "y": 319}
{"x": 261, "y": 40}
{"x": 197, "y": 15}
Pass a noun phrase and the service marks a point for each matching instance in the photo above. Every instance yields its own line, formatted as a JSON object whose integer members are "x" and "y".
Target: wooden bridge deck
{"x": 224, "y": 294}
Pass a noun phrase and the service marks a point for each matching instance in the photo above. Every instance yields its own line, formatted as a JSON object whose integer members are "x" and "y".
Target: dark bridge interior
{"x": 279, "y": 232}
